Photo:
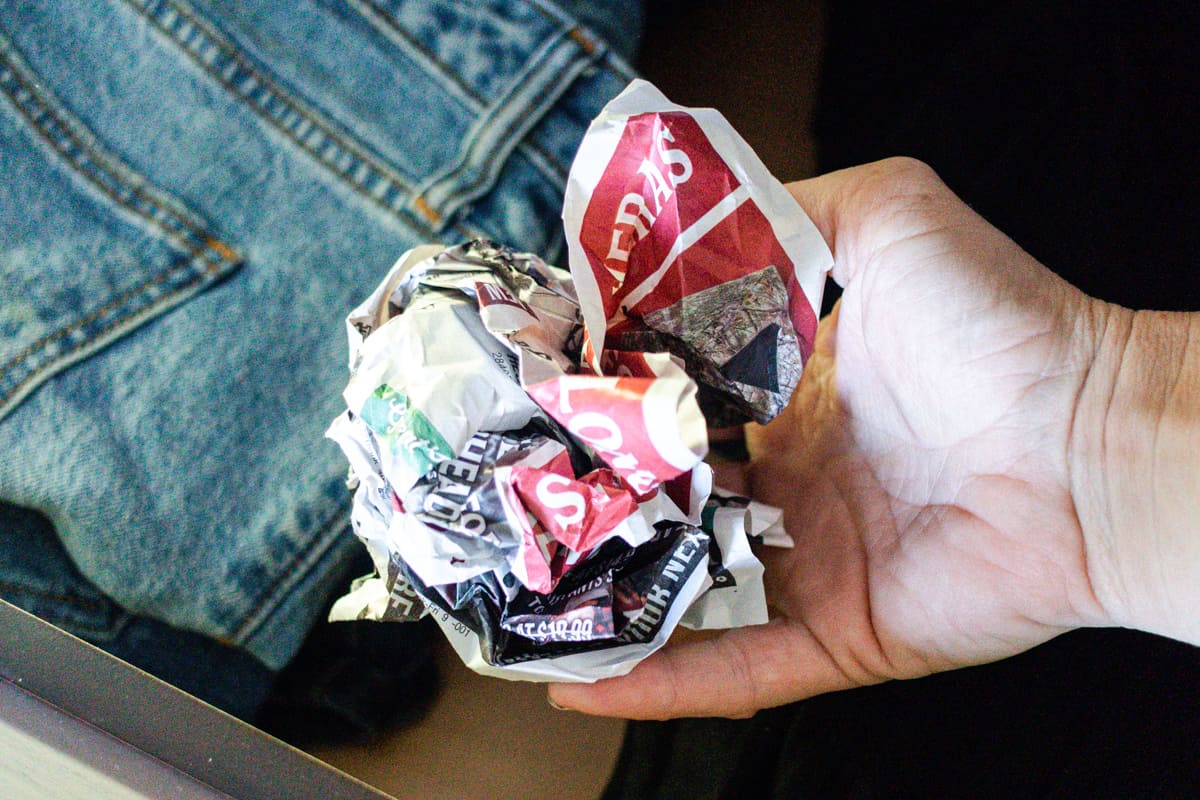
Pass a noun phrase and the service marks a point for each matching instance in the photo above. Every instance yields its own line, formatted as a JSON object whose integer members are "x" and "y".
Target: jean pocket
{"x": 89, "y": 248}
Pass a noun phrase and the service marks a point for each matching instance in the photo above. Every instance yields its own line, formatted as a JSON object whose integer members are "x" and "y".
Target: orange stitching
{"x": 103, "y": 162}
{"x": 423, "y": 206}
{"x": 589, "y": 47}
{"x": 226, "y": 252}
{"x": 177, "y": 230}
{"x": 78, "y": 324}
{"x": 327, "y": 534}
{"x": 214, "y": 39}
{"x": 384, "y": 18}
{"x": 83, "y": 322}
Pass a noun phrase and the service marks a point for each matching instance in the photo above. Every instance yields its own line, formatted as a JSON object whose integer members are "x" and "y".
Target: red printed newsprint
{"x": 678, "y": 236}
{"x": 526, "y": 445}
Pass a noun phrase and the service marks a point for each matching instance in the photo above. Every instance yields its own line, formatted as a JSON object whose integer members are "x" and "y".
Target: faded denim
{"x": 193, "y": 195}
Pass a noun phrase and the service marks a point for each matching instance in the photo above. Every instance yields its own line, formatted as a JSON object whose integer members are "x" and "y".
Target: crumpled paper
{"x": 526, "y": 444}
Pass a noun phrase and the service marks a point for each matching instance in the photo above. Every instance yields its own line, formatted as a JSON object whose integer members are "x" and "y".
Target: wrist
{"x": 1135, "y": 469}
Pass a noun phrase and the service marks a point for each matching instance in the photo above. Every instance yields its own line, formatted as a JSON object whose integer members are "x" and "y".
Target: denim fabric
{"x": 193, "y": 195}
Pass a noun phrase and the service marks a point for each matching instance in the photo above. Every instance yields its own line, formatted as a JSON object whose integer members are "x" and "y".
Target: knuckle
{"x": 904, "y": 177}
{"x": 908, "y": 168}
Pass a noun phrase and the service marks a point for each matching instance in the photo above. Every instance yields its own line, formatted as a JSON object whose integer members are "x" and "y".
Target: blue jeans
{"x": 193, "y": 195}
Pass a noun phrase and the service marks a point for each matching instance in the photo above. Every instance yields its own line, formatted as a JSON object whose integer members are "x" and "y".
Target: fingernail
{"x": 555, "y": 705}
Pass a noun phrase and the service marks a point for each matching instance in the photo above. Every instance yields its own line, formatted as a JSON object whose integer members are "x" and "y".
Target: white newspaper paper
{"x": 526, "y": 444}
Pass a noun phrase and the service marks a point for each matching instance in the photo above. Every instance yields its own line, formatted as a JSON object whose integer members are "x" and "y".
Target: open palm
{"x": 922, "y": 466}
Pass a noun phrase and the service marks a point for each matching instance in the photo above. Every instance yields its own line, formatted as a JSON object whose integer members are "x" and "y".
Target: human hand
{"x": 923, "y": 466}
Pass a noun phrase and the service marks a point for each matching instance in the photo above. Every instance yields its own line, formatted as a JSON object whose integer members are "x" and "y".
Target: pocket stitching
{"x": 350, "y": 161}
{"x": 88, "y": 160}
{"x": 383, "y": 21}
{"x": 7, "y": 400}
{"x": 547, "y": 75}
{"x": 328, "y": 535}
{"x": 68, "y": 138}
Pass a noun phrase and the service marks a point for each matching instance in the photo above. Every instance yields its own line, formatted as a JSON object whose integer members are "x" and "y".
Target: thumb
{"x": 732, "y": 674}
{"x": 862, "y": 209}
